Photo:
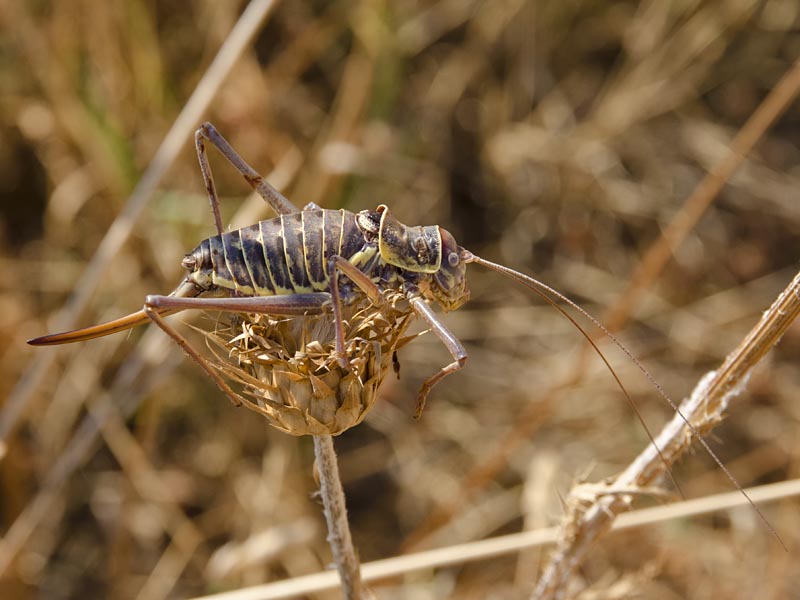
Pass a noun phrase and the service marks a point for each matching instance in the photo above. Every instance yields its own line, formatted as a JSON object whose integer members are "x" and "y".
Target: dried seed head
{"x": 286, "y": 368}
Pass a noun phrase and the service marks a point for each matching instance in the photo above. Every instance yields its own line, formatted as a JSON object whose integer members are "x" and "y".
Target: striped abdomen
{"x": 285, "y": 255}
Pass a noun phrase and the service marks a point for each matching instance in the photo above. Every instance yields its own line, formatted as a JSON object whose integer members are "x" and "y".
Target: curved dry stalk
{"x": 705, "y": 408}
{"x": 248, "y": 25}
{"x": 659, "y": 254}
{"x": 330, "y": 488}
{"x": 127, "y": 396}
{"x": 651, "y": 265}
{"x": 460, "y": 554}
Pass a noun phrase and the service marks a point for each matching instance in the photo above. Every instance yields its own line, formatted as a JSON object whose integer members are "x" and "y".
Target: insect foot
{"x": 288, "y": 370}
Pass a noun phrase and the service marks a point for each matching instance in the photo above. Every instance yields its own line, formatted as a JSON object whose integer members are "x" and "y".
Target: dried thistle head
{"x": 286, "y": 368}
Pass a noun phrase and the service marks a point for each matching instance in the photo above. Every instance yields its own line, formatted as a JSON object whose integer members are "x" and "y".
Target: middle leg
{"x": 338, "y": 264}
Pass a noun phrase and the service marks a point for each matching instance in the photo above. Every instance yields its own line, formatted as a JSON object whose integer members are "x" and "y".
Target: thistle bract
{"x": 286, "y": 368}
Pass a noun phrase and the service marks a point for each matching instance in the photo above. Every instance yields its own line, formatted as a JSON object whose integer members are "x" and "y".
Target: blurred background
{"x": 558, "y": 138}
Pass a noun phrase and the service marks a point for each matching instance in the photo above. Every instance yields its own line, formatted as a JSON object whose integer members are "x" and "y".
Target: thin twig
{"x": 460, "y": 554}
{"x": 705, "y": 408}
{"x": 235, "y": 43}
{"x": 651, "y": 265}
{"x": 330, "y": 487}
{"x": 127, "y": 390}
{"x": 127, "y": 399}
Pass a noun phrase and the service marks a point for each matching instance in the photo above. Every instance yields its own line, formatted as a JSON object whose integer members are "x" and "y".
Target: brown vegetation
{"x": 559, "y": 138}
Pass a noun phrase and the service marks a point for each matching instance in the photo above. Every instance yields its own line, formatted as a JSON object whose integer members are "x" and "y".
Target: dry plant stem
{"x": 705, "y": 408}
{"x": 245, "y": 29}
{"x": 503, "y": 545}
{"x": 127, "y": 399}
{"x": 341, "y": 543}
{"x": 127, "y": 394}
{"x": 653, "y": 263}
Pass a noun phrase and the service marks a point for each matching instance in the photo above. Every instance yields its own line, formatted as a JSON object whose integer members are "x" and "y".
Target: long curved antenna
{"x": 542, "y": 289}
{"x": 536, "y": 286}
{"x": 186, "y": 289}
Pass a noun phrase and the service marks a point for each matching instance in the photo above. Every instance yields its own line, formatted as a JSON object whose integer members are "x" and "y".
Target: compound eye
{"x": 449, "y": 248}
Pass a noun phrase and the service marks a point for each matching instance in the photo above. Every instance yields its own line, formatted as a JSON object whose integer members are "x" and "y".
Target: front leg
{"x": 451, "y": 342}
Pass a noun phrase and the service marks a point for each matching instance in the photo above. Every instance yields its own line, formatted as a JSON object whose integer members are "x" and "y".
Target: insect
{"x": 303, "y": 262}
{"x": 309, "y": 261}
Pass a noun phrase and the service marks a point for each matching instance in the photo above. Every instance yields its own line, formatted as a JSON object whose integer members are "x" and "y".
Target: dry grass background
{"x": 559, "y": 138}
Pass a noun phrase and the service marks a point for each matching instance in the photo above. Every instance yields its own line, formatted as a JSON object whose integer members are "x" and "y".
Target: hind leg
{"x": 294, "y": 305}
{"x": 279, "y": 203}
